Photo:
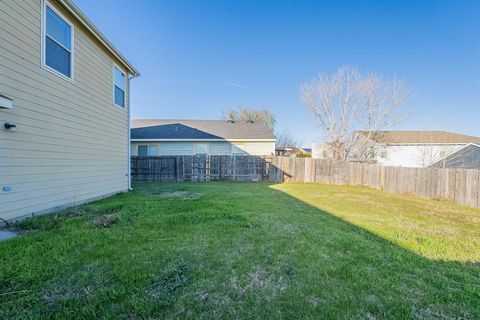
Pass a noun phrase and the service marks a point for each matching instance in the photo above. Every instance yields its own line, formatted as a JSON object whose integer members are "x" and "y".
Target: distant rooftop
{"x": 422, "y": 137}
{"x": 175, "y": 129}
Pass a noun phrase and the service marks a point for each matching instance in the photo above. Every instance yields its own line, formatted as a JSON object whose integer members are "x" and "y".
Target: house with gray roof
{"x": 201, "y": 137}
{"x": 467, "y": 157}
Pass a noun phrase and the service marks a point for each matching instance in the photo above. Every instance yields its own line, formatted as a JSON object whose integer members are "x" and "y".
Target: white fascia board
{"x": 212, "y": 140}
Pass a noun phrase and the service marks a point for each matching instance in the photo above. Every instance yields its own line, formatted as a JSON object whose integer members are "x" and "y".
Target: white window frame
{"x": 44, "y": 65}
{"x": 207, "y": 149}
{"x": 115, "y": 66}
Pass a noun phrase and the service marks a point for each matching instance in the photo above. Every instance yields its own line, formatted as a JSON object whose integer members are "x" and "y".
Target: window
{"x": 143, "y": 151}
{"x": 201, "y": 148}
{"x": 57, "y": 51}
{"x": 118, "y": 87}
{"x": 383, "y": 153}
{"x": 147, "y": 150}
{"x": 153, "y": 150}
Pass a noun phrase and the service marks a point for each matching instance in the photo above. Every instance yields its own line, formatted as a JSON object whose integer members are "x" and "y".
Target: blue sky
{"x": 199, "y": 57}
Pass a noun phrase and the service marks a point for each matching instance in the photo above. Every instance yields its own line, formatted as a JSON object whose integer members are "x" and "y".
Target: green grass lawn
{"x": 246, "y": 251}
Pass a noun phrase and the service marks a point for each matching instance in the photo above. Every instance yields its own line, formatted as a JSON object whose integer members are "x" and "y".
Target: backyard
{"x": 246, "y": 251}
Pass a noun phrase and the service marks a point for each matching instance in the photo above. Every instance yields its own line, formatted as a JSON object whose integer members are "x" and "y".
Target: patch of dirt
{"x": 290, "y": 228}
{"x": 259, "y": 282}
{"x": 4, "y": 224}
{"x": 169, "y": 283}
{"x": 75, "y": 288}
{"x": 314, "y": 301}
{"x": 440, "y": 312}
{"x": 240, "y": 194}
{"x": 105, "y": 221}
{"x": 188, "y": 195}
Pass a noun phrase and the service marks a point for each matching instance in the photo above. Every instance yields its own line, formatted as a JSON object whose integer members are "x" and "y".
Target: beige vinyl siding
{"x": 220, "y": 148}
{"x": 169, "y": 148}
{"x": 71, "y": 143}
{"x": 260, "y": 148}
{"x": 176, "y": 148}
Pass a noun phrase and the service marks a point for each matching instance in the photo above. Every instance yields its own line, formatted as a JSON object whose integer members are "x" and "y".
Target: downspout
{"x": 129, "y": 163}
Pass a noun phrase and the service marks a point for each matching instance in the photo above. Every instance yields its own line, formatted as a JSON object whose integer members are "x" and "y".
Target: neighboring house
{"x": 64, "y": 111}
{"x": 293, "y": 152}
{"x": 405, "y": 148}
{"x": 417, "y": 148}
{"x": 201, "y": 137}
{"x": 467, "y": 157}
{"x": 322, "y": 150}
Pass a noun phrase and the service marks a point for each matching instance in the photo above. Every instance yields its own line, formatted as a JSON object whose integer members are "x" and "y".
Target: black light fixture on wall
{"x": 10, "y": 127}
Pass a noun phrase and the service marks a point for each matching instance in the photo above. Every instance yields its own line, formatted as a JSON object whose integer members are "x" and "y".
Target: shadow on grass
{"x": 245, "y": 250}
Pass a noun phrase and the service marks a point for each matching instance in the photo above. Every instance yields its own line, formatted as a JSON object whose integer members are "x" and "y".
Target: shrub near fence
{"x": 461, "y": 186}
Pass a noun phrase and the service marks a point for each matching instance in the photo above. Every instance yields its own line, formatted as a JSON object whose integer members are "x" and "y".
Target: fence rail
{"x": 461, "y": 186}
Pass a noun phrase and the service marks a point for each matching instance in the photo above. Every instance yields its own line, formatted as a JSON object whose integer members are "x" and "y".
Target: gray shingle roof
{"x": 425, "y": 137}
{"x": 199, "y": 129}
{"x": 466, "y": 158}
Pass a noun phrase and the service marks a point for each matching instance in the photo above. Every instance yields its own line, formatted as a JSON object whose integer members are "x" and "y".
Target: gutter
{"x": 129, "y": 159}
{"x": 202, "y": 140}
{"x": 90, "y": 27}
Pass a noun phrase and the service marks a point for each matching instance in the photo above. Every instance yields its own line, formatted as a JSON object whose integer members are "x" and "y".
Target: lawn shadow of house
{"x": 331, "y": 266}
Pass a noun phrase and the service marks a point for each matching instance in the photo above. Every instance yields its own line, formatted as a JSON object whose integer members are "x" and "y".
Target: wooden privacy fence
{"x": 461, "y": 186}
{"x": 200, "y": 168}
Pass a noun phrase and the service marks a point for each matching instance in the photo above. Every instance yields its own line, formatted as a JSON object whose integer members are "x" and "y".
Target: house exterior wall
{"x": 165, "y": 148}
{"x": 71, "y": 143}
{"x": 413, "y": 155}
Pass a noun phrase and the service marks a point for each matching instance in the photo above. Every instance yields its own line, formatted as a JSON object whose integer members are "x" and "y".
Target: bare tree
{"x": 348, "y": 102}
{"x": 287, "y": 139}
{"x": 437, "y": 146}
{"x": 250, "y": 114}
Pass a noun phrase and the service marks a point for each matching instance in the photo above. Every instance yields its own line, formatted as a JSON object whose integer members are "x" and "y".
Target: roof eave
{"x": 87, "y": 24}
{"x": 200, "y": 139}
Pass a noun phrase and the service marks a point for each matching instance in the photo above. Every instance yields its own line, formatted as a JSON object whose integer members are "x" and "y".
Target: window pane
{"x": 152, "y": 150}
{"x": 119, "y": 79}
{"x": 57, "y": 57}
{"x": 143, "y": 151}
{"x": 58, "y": 29}
{"x": 201, "y": 148}
{"x": 119, "y": 97}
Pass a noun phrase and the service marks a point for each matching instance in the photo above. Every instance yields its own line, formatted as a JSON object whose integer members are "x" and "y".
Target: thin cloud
{"x": 236, "y": 85}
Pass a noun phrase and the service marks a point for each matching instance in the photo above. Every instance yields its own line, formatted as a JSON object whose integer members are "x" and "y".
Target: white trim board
{"x": 195, "y": 140}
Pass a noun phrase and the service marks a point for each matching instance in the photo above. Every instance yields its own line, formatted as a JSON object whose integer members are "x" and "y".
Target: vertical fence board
{"x": 456, "y": 185}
